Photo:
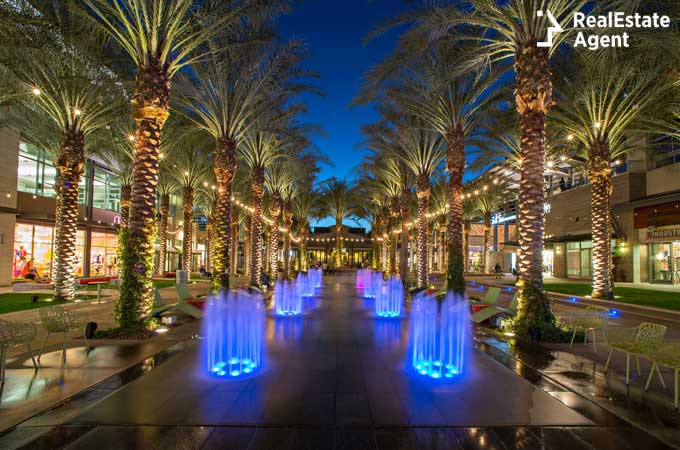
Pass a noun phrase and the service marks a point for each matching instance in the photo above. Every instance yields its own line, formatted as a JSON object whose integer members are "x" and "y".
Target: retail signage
{"x": 663, "y": 235}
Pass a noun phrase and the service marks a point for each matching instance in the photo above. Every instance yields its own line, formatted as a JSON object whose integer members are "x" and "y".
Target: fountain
{"x": 316, "y": 275}
{"x": 440, "y": 335}
{"x": 287, "y": 299}
{"x": 232, "y": 328}
{"x": 367, "y": 281}
{"x": 389, "y": 297}
{"x": 305, "y": 284}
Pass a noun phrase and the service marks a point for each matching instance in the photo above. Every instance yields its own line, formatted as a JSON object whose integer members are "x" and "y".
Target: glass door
{"x": 661, "y": 263}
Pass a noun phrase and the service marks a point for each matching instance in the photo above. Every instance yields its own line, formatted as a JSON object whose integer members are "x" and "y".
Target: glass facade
{"x": 579, "y": 260}
{"x": 36, "y": 172}
{"x": 104, "y": 254}
{"x": 34, "y": 250}
{"x": 105, "y": 190}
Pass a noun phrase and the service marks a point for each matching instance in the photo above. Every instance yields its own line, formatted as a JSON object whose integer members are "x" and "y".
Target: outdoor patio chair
{"x": 490, "y": 298}
{"x": 11, "y": 335}
{"x": 592, "y": 319}
{"x": 667, "y": 354}
{"x": 641, "y": 341}
{"x": 493, "y": 310}
{"x": 183, "y": 294}
{"x": 56, "y": 319}
{"x": 159, "y": 305}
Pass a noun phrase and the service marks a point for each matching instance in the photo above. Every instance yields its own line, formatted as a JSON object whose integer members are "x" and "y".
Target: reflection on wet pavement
{"x": 339, "y": 378}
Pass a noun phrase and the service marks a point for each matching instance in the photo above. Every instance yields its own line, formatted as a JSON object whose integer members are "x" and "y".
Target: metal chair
{"x": 56, "y": 319}
{"x": 13, "y": 334}
{"x": 592, "y": 319}
{"x": 643, "y": 340}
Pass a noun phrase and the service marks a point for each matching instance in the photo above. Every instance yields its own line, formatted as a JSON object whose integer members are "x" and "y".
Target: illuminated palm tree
{"x": 600, "y": 108}
{"x": 439, "y": 206}
{"x": 160, "y": 37}
{"x": 423, "y": 84}
{"x": 259, "y": 151}
{"x": 188, "y": 163}
{"x": 165, "y": 188}
{"x": 56, "y": 77}
{"x": 488, "y": 198}
{"x": 306, "y": 207}
{"x": 498, "y": 33}
{"x": 226, "y": 98}
{"x": 340, "y": 199}
{"x": 422, "y": 151}
{"x": 277, "y": 180}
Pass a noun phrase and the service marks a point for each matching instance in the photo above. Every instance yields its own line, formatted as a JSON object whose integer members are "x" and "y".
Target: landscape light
{"x": 131, "y": 138}
{"x": 36, "y": 91}
{"x": 570, "y": 137}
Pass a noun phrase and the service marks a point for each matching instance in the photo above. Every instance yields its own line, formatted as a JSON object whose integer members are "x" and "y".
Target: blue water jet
{"x": 287, "y": 299}
{"x": 389, "y": 297}
{"x": 440, "y": 335}
{"x": 316, "y": 277}
{"x": 233, "y": 328}
{"x": 305, "y": 284}
{"x": 368, "y": 281}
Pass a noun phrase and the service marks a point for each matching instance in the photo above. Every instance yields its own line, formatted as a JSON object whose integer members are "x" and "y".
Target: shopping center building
{"x": 645, "y": 219}
{"x": 27, "y": 207}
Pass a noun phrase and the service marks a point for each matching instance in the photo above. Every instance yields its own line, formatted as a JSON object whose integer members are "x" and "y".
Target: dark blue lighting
{"x": 613, "y": 312}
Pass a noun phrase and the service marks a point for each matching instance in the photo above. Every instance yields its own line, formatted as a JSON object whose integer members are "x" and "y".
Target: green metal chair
{"x": 13, "y": 334}
{"x": 492, "y": 310}
{"x": 490, "y": 298}
{"x": 592, "y": 319}
{"x": 643, "y": 340}
{"x": 667, "y": 354}
{"x": 183, "y": 294}
{"x": 56, "y": 319}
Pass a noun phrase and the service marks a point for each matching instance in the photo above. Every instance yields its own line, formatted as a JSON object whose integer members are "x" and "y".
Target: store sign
{"x": 663, "y": 235}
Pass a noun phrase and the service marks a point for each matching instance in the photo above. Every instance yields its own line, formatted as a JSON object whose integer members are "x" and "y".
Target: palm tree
{"x": 277, "y": 180}
{"x": 500, "y": 32}
{"x": 160, "y": 37}
{"x": 259, "y": 150}
{"x": 469, "y": 213}
{"x": 426, "y": 85}
{"x": 165, "y": 188}
{"x": 339, "y": 196}
{"x": 438, "y": 212}
{"x": 306, "y": 207}
{"x": 188, "y": 165}
{"x": 56, "y": 77}
{"x": 488, "y": 199}
{"x": 422, "y": 152}
{"x": 600, "y": 106}
{"x": 226, "y": 97}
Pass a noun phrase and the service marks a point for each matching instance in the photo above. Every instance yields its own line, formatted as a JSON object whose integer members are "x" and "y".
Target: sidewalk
{"x": 28, "y": 392}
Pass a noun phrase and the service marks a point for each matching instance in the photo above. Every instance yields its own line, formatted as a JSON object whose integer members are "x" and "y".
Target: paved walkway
{"x": 336, "y": 379}
{"x": 28, "y": 392}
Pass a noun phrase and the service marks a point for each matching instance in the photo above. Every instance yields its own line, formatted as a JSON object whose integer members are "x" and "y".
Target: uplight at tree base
{"x": 233, "y": 329}
{"x": 440, "y": 336}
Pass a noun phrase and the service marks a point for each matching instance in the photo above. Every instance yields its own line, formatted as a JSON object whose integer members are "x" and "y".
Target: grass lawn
{"x": 163, "y": 283}
{"x": 635, "y": 296}
{"x": 21, "y": 301}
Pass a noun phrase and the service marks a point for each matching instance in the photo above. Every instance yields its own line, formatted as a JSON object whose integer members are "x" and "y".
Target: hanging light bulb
{"x": 563, "y": 158}
{"x": 550, "y": 163}
{"x": 186, "y": 173}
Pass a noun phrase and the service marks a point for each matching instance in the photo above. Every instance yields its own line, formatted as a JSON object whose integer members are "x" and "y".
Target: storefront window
{"x": 579, "y": 259}
{"x": 105, "y": 190}
{"x": 36, "y": 173}
{"x": 34, "y": 251}
{"x": 661, "y": 263}
{"x": 104, "y": 254}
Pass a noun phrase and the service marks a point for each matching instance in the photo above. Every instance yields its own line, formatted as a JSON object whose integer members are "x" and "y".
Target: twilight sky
{"x": 334, "y": 32}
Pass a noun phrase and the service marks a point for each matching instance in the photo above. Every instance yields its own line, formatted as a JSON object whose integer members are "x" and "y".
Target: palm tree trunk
{"x": 405, "y": 210}
{"x": 274, "y": 211}
{"x": 288, "y": 224}
{"x": 442, "y": 246}
{"x": 125, "y": 194}
{"x": 600, "y": 200}
{"x": 188, "y": 219}
{"x": 302, "y": 247}
{"x": 394, "y": 216}
{"x": 430, "y": 247}
{"x": 150, "y": 108}
{"x": 70, "y": 166}
{"x": 163, "y": 235}
{"x": 247, "y": 244}
{"x": 533, "y": 97}
{"x": 486, "y": 253}
{"x": 257, "y": 193}
{"x": 466, "y": 244}
{"x": 384, "y": 250}
{"x": 225, "y": 169}
{"x": 455, "y": 164}
{"x": 423, "y": 194}
{"x": 209, "y": 246}
{"x": 338, "y": 242}
{"x": 234, "y": 240}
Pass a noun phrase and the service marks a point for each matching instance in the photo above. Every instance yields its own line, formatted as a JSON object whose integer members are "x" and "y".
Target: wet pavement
{"x": 337, "y": 378}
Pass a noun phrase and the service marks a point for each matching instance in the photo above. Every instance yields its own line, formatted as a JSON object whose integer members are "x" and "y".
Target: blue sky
{"x": 334, "y": 33}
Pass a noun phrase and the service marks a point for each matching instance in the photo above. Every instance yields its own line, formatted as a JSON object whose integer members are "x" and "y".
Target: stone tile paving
{"x": 337, "y": 378}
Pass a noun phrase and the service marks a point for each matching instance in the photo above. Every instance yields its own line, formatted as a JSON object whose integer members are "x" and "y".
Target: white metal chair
{"x": 13, "y": 334}
{"x": 56, "y": 319}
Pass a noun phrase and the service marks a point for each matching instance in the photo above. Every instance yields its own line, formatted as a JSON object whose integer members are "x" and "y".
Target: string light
{"x": 36, "y": 91}
{"x": 598, "y": 124}
{"x": 131, "y": 138}
{"x": 570, "y": 137}
{"x": 77, "y": 112}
